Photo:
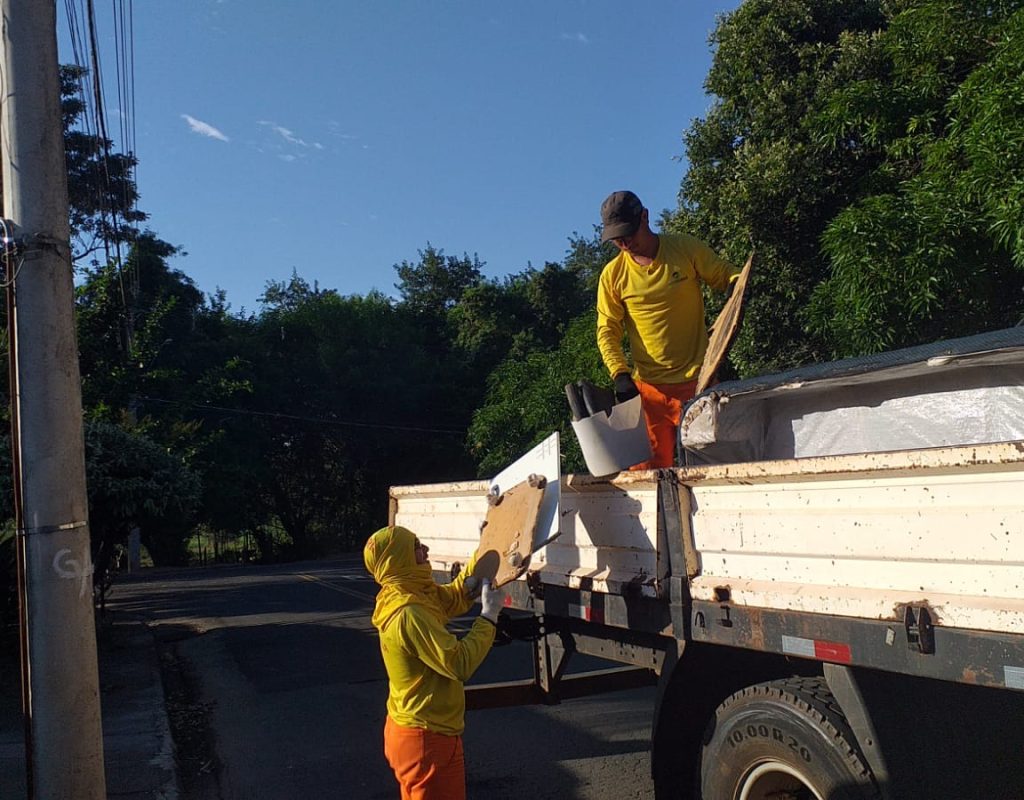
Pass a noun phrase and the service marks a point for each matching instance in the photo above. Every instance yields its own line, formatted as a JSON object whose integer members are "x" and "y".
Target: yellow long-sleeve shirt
{"x": 661, "y": 308}
{"x": 427, "y": 666}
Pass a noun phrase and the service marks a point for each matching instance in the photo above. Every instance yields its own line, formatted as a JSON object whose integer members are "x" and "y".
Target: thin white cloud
{"x": 289, "y": 136}
{"x": 582, "y": 38}
{"x": 204, "y": 128}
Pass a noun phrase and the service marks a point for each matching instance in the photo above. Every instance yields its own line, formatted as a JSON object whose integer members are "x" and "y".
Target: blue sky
{"x": 339, "y": 138}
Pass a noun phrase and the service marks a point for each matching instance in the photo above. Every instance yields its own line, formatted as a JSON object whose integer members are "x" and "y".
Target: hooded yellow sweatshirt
{"x": 426, "y": 664}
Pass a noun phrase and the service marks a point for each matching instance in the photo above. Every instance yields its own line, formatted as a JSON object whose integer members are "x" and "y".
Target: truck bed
{"x": 859, "y": 535}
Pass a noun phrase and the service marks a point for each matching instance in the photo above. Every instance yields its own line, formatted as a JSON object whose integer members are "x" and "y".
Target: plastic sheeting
{"x": 914, "y": 406}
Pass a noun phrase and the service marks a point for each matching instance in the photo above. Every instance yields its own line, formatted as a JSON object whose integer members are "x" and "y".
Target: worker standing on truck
{"x": 426, "y": 664}
{"x": 652, "y": 288}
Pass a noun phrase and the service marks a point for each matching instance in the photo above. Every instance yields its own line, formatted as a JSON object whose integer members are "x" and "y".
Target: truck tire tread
{"x": 813, "y": 700}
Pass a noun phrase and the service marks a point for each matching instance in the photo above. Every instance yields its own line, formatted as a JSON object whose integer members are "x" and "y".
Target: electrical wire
{"x": 75, "y": 11}
{"x": 316, "y": 420}
{"x": 123, "y": 16}
{"x": 104, "y": 138}
{"x": 113, "y": 184}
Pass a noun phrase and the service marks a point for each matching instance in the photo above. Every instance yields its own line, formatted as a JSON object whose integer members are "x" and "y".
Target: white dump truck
{"x": 829, "y": 593}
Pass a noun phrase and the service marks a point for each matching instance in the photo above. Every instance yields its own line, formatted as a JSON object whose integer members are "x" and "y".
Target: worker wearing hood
{"x": 426, "y": 664}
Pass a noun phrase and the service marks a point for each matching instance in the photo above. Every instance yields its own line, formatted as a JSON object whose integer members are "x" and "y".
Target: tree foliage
{"x": 759, "y": 177}
{"x": 436, "y": 283}
{"x": 526, "y": 399}
{"x": 870, "y": 153}
{"x": 936, "y": 251}
{"x": 355, "y": 395}
{"x": 135, "y": 482}
{"x": 101, "y": 189}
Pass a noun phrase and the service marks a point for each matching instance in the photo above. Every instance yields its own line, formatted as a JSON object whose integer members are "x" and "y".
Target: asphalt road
{"x": 281, "y": 665}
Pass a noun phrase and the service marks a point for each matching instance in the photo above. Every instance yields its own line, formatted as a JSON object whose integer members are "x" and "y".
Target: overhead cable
{"x": 317, "y": 420}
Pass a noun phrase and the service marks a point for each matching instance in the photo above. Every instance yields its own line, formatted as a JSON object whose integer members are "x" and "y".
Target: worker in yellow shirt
{"x": 426, "y": 664}
{"x": 652, "y": 290}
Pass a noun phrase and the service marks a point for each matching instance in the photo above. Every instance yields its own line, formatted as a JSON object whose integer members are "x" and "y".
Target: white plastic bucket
{"x": 615, "y": 442}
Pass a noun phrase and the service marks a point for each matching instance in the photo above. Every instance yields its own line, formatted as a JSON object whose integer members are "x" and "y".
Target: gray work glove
{"x": 491, "y": 600}
{"x": 625, "y": 389}
{"x": 471, "y": 586}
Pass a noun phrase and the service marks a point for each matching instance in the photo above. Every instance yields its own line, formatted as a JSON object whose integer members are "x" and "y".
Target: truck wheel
{"x": 784, "y": 740}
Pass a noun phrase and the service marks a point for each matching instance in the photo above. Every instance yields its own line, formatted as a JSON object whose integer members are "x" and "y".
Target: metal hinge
{"x": 920, "y": 630}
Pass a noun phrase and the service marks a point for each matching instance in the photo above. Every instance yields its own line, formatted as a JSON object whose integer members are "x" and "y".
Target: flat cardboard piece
{"x": 724, "y": 331}
{"x": 545, "y": 460}
{"x": 506, "y": 540}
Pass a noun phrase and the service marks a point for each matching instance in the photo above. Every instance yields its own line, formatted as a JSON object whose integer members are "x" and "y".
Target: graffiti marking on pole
{"x": 72, "y": 568}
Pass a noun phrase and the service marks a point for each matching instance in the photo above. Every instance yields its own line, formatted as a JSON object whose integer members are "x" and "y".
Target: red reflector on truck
{"x": 589, "y": 613}
{"x": 817, "y": 648}
{"x": 832, "y": 651}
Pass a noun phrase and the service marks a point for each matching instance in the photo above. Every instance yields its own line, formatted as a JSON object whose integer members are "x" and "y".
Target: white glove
{"x": 471, "y": 586}
{"x": 491, "y": 600}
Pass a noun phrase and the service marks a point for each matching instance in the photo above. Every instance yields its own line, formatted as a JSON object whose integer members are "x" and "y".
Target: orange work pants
{"x": 428, "y": 765}
{"x": 663, "y": 407}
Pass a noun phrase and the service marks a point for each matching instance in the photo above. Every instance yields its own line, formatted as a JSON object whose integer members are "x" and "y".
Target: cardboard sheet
{"x": 506, "y": 540}
{"x": 527, "y": 516}
{"x": 544, "y": 460}
{"x": 725, "y": 330}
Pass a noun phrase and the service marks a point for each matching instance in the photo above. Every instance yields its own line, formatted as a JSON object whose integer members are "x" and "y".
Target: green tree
{"x": 137, "y": 326}
{"x": 760, "y": 177}
{"x": 350, "y": 395}
{"x": 531, "y": 309}
{"x": 526, "y": 400}
{"x": 154, "y": 352}
{"x": 548, "y": 342}
{"x": 870, "y": 153}
{"x": 101, "y": 188}
{"x": 935, "y": 250}
{"x": 134, "y": 482}
{"x": 487, "y": 319}
{"x": 436, "y": 282}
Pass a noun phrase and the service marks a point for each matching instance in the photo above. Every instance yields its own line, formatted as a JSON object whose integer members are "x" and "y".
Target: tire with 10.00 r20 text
{"x": 784, "y": 740}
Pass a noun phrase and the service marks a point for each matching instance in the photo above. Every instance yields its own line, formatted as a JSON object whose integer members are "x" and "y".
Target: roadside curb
{"x": 139, "y": 752}
{"x": 138, "y": 749}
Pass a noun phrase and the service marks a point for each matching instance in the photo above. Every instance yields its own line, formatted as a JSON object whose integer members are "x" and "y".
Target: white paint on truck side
{"x": 862, "y": 534}
{"x": 853, "y": 536}
{"x": 608, "y": 529}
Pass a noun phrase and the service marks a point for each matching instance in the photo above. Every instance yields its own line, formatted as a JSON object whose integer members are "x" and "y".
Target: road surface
{"x": 277, "y": 691}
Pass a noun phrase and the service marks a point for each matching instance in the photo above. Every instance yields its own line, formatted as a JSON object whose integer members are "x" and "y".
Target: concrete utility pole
{"x": 64, "y": 735}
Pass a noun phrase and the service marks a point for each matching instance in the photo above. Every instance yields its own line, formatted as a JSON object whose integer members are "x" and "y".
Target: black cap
{"x": 620, "y": 215}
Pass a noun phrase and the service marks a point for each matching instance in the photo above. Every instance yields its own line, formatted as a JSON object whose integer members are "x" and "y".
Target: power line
{"x": 317, "y": 420}
{"x": 124, "y": 52}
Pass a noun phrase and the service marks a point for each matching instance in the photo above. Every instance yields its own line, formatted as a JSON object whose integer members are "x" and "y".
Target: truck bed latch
{"x": 920, "y": 631}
